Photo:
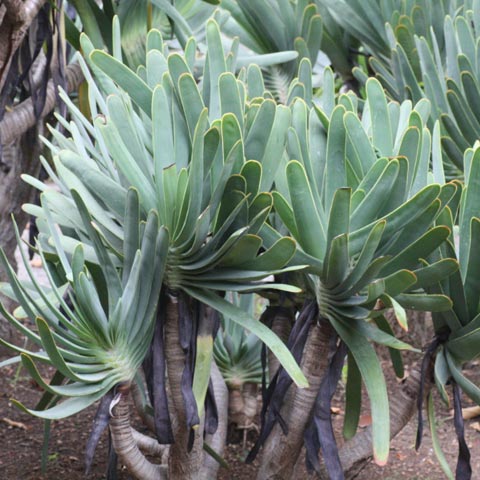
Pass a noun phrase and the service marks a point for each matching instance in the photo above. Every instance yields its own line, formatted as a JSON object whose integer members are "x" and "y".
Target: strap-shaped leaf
{"x": 372, "y": 375}
{"x": 339, "y": 218}
{"x": 465, "y": 347}
{"x": 275, "y": 146}
{"x": 259, "y": 132}
{"x": 337, "y": 264}
{"x": 69, "y": 407}
{"x": 192, "y": 102}
{"x": 435, "y": 440}
{"x": 72, "y": 389}
{"x": 57, "y": 359}
{"x": 230, "y": 100}
{"x": 196, "y": 179}
{"x": 434, "y": 273}
{"x": 442, "y": 374}
{"x": 245, "y": 250}
{"x": 138, "y": 90}
{"x": 277, "y": 256}
{"x": 395, "y": 355}
{"x": 216, "y": 66}
{"x": 98, "y": 183}
{"x": 335, "y": 169}
{"x": 311, "y": 234}
{"x": 368, "y": 209}
{"x": 359, "y": 141}
{"x": 365, "y": 258}
{"x": 111, "y": 275}
{"x": 425, "y": 303}
{"x": 127, "y": 164}
{"x": 277, "y": 347}
{"x": 129, "y": 127}
{"x": 469, "y": 388}
{"x": 381, "y": 127}
{"x": 471, "y": 278}
{"x": 421, "y": 248}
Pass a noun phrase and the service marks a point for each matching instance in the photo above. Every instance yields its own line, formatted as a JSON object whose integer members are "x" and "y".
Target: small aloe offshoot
{"x": 237, "y": 353}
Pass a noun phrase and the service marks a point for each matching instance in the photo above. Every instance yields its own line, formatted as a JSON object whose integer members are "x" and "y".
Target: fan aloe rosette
{"x": 363, "y": 223}
{"x": 457, "y": 330}
{"x": 198, "y": 157}
{"x": 237, "y": 353}
{"x": 96, "y": 328}
{"x": 433, "y": 55}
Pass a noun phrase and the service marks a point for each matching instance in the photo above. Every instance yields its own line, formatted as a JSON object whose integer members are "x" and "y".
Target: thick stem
{"x": 149, "y": 445}
{"x": 22, "y": 117}
{"x": 126, "y": 448}
{"x": 283, "y": 318}
{"x": 219, "y": 439}
{"x": 17, "y": 158}
{"x": 15, "y": 19}
{"x": 281, "y": 452}
{"x": 182, "y": 464}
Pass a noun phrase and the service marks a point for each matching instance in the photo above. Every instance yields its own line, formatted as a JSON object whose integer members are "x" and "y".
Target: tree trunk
{"x": 281, "y": 452}
{"x": 18, "y": 157}
{"x": 15, "y": 19}
{"x": 283, "y": 318}
{"x": 182, "y": 464}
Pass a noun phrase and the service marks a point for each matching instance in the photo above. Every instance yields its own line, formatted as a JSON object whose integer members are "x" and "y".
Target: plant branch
{"x": 149, "y": 445}
{"x": 15, "y": 19}
{"x": 18, "y": 121}
{"x": 126, "y": 447}
{"x": 184, "y": 463}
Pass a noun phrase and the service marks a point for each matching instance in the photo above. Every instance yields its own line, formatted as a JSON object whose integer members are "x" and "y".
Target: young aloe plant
{"x": 356, "y": 199}
{"x": 237, "y": 354}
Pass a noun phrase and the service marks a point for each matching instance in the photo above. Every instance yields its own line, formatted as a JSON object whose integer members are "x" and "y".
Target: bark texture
{"x": 15, "y": 19}
{"x": 126, "y": 447}
{"x": 18, "y": 157}
{"x": 22, "y": 117}
{"x": 281, "y": 452}
{"x": 182, "y": 464}
{"x": 282, "y": 325}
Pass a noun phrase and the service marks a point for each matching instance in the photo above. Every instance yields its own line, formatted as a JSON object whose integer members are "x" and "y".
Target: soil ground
{"x": 21, "y": 439}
